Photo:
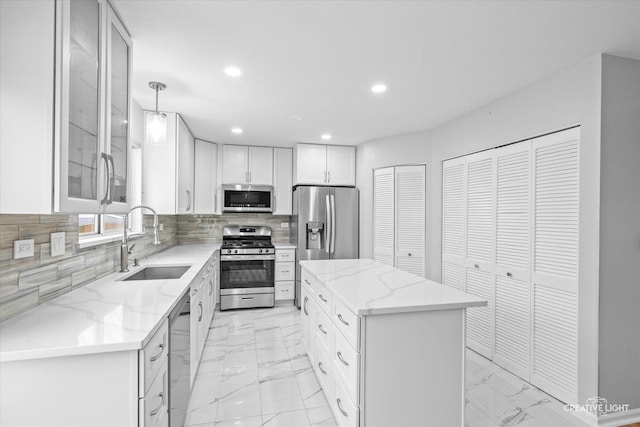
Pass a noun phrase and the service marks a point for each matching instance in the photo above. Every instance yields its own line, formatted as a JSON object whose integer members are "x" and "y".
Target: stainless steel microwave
{"x": 247, "y": 198}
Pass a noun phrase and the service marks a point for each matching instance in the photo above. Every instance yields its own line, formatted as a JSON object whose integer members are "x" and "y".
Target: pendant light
{"x": 156, "y": 121}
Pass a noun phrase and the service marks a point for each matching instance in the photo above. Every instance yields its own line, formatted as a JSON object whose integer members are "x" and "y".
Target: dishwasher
{"x": 179, "y": 360}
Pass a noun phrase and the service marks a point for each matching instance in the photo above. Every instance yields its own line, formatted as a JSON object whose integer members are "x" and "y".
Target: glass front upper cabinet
{"x": 92, "y": 108}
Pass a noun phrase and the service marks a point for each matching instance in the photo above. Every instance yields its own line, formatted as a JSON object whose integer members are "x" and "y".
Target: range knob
{"x": 266, "y": 251}
{"x": 259, "y": 251}
{"x": 235, "y": 251}
{"x": 228, "y": 251}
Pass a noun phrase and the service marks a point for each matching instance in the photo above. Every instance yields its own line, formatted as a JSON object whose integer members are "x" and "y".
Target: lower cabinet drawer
{"x": 324, "y": 370}
{"x": 285, "y": 290}
{"x": 152, "y": 357}
{"x": 285, "y": 271}
{"x": 346, "y": 365}
{"x": 155, "y": 404}
{"x": 345, "y": 410}
{"x": 346, "y": 322}
{"x": 324, "y": 331}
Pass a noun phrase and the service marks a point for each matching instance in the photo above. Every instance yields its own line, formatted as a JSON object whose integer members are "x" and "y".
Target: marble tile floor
{"x": 254, "y": 372}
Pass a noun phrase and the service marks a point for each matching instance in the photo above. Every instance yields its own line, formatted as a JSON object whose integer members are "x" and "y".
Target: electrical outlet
{"x": 57, "y": 244}
{"x": 160, "y": 227}
{"x": 284, "y": 225}
{"x": 23, "y": 248}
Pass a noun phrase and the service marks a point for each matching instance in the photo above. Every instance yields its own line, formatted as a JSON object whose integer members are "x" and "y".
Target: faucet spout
{"x": 124, "y": 248}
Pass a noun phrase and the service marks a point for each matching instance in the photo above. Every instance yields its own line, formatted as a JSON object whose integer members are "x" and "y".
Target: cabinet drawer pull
{"x": 476, "y": 266}
{"x": 307, "y": 282}
{"x": 321, "y": 370}
{"x": 105, "y": 199}
{"x": 304, "y": 306}
{"x": 200, "y": 307}
{"x": 155, "y": 411}
{"x": 342, "y": 319}
{"x": 339, "y": 402}
{"x": 509, "y": 274}
{"x": 322, "y": 329}
{"x": 344, "y": 362}
{"x": 157, "y": 356}
{"x": 322, "y": 298}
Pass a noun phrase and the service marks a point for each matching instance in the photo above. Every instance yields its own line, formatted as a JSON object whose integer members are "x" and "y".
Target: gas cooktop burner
{"x": 246, "y": 244}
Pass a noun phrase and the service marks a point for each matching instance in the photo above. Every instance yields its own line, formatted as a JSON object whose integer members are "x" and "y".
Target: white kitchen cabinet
{"x": 247, "y": 165}
{"x": 282, "y": 181}
{"x": 317, "y": 164}
{"x": 399, "y": 217}
{"x": 285, "y": 274}
{"x": 510, "y": 236}
{"x": 167, "y": 170}
{"x": 198, "y": 296}
{"x": 206, "y": 178}
{"x": 77, "y": 86}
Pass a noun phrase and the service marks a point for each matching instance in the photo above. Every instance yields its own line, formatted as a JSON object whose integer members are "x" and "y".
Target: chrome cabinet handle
{"x": 155, "y": 411}
{"x": 201, "y": 311}
{"x": 322, "y": 298}
{"x": 112, "y": 179}
{"x": 210, "y": 287}
{"x": 307, "y": 282}
{"x": 339, "y": 402}
{"x": 188, "y": 200}
{"x": 409, "y": 253}
{"x": 321, "y": 370}
{"x": 509, "y": 274}
{"x": 157, "y": 356}
{"x": 322, "y": 329}
{"x": 304, "y": 306}
{"x": 342, "y": 319}
{"x": 105, "y": 199}
{"x": 328, "y": 177}
{"x": 344, "y": 362}
{"x": 476, "y": 266}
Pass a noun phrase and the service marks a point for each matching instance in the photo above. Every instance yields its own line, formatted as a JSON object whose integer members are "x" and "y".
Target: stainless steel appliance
{"x": 247, "y": 198}
{"x": 324, "y": 225}
{"x": 179, "y": 361}
{"x": 247, "y": 262}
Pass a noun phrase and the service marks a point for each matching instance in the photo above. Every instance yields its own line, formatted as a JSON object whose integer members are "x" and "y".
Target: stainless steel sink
{"x": 159, "y": 273}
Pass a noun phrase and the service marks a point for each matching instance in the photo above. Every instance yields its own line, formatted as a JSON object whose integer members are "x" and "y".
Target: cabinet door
{"x": 159, "y": 174}
{"x": 185, "y": 151}
{"x": 341, "y": 165}
{"x": 261, "y": 165}
{"x": 81, "y": 172}
{"x": 480, "y": 227}
{"x": 410, "y": 218}
{"x": 118, "y": 107}
{"x": 311, "y": 164}
{"x": 235, "y": 160}
{"x": 512, "y": 295}
{"x": 195, "y": 320}
{"x": 454, "y": 220}
{"x": 384, "y": 216}
{"x": 205, "y": 177}
{"x": 282, "y": 180}
{"x": 555, "y": 264}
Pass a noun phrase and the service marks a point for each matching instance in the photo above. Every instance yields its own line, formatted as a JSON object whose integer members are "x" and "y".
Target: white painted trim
{"x": 96, "y": 240}
{"x": 616, "y": 419}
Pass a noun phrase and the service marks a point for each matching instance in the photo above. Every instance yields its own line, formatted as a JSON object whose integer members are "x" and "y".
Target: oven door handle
{"x": 228, "y": 258}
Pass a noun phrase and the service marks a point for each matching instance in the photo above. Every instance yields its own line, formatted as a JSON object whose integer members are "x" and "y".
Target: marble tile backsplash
{"x": 28, "y": 282}
{"x": 208, "y": 228}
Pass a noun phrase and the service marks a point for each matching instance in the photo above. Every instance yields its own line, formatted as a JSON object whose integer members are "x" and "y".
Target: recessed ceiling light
{"x": 379, "y": 88}
{"x": 296, "y": 118}
{"x": 326, "y": 136}
{"x": 237, "y": 131}
{"x": 233, "y": 71}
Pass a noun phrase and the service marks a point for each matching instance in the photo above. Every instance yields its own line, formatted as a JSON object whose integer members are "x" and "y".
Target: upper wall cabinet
{"x": 168, "y": 170}
{"x": 325, "y": 165}
{"x": 77, "y": 86}
{"x": 282, "y": 178}
{"x": 247, "y": 165}
{"x": 205, "y": 182}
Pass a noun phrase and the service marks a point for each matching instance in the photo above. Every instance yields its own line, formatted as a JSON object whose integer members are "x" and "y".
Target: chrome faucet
{"x": 124, "y": 248}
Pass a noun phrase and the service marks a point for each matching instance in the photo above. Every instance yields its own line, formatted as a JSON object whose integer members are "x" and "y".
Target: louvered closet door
{"x": 512, "y": 295}
{"x": 410, "y": 217}
{"x": 453, "y": 222}
{"x": 383, "y": 215}
{"x": 480, "y": 241}
{"x": 555, "y": 270}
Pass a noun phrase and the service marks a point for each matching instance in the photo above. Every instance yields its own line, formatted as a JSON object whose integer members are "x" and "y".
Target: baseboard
{"x": 618, "y": 419}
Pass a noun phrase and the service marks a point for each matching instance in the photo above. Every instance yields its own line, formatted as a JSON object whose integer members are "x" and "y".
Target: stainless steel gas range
{"x": 247, "y": 259}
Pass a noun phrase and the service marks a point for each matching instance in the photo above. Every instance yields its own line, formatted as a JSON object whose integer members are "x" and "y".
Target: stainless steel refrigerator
{"x": 324, "y": 225}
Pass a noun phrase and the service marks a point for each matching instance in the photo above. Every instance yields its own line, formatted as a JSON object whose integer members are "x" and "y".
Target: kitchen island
{"x": 387, "y": 346}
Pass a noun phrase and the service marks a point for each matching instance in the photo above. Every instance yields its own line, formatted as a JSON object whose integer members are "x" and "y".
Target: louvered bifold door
{"x": 555, "y": 269}
{"x": 480, "y": 244}
{"x": 512, "y": 295}
{"x": 410, "y": 217}
{"x": 453, "y": 222}
{"x": 383, "y": 215}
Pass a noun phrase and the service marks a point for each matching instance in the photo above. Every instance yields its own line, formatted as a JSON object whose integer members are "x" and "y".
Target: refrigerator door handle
{"x": 333, "y": 222}
{"x": 328, "y": 225}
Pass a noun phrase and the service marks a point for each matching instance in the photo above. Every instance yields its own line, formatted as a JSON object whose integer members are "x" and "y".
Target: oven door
{"x": 246, "y": 274}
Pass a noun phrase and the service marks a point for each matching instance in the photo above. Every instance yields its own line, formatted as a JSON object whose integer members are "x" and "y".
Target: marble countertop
{"x": 103, "y": 316}
{"x": 284, "y": 245}
{"x": 369, "y": 287}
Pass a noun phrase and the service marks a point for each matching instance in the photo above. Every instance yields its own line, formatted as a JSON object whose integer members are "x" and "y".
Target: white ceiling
{"x": 318, "y": 59}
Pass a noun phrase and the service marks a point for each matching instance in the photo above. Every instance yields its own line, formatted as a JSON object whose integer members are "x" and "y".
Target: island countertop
{"x": 106, "y": 315}
{"x": 369, "y": 287}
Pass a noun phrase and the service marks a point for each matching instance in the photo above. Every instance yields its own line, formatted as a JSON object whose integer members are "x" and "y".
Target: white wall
{"x": 567, "y": 98}
{"x": 619, "y": 337}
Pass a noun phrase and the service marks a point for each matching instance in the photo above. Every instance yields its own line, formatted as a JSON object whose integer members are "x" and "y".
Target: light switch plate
{"x": 284, "y": 225}
{"x": 23, "y": 248}
{"x": 57, "y": 244}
